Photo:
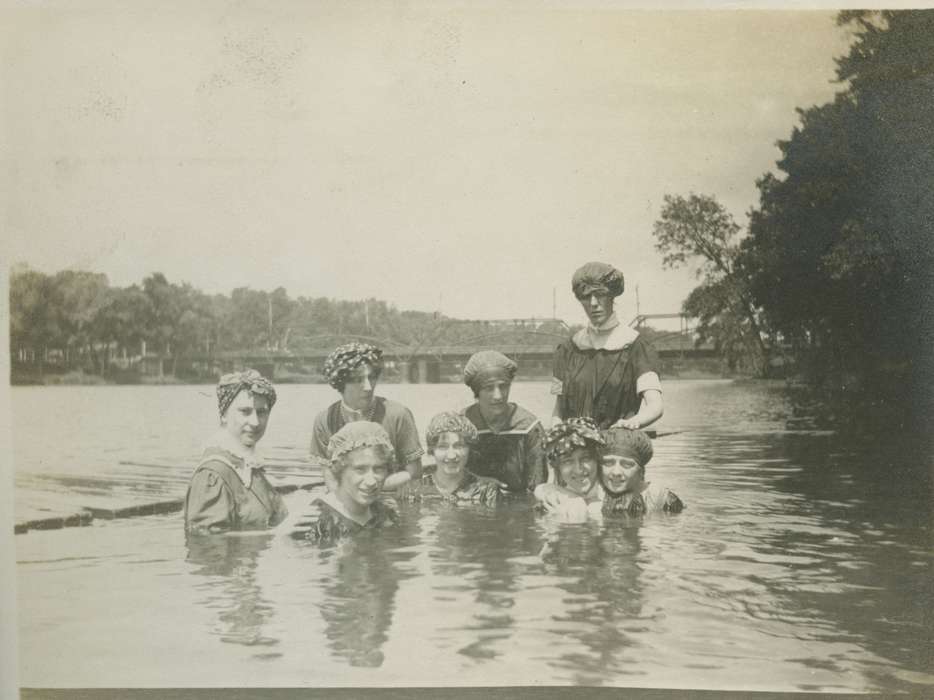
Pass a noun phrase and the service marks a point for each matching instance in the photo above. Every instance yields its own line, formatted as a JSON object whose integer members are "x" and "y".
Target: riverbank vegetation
{"x": 837, "y": 263}
{"x": 74, "y": 327}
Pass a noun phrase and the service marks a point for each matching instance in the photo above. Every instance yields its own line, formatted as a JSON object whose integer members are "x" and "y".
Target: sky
{"x": 454, "y": 157}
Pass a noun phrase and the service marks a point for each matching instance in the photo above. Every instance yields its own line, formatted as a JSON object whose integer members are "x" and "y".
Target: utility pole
{"x": 554, "y": 303}
{"x": 638, "y": 313}
{"x": 366, "y": 313}
{"x": 269, "y": 336}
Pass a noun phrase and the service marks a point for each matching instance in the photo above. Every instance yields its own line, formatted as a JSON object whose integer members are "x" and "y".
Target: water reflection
{"x": 361, "y": 578}
{"x": 229, "y": 564}
{"x": 599, "y": 566}
{"x": 472, "y": 555}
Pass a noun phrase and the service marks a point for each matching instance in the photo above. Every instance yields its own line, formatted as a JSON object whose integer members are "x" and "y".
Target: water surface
{"x": 802, "y": 562}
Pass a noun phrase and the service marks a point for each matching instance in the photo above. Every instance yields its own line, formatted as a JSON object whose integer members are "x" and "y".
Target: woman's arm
{"x": 650, "y": 411}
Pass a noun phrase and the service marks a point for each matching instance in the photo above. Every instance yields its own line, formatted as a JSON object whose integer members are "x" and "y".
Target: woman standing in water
{"x": 509, "y": 438}
{"x": 623, "y": 457}
{"x": 605, "y": 371}
{"x": 229, "y": 490}
{"x": 572, "y": 449}
{"x": 361, "y": 459}
{"x": 450, "y": 437}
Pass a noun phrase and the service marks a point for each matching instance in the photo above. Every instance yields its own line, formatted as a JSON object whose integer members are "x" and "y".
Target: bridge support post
{"x": 404, "y": 372}
{"x": 422, "y": 371}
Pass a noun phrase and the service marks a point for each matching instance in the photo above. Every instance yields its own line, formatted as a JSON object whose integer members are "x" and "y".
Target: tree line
{"x": 837, "y": 261}
{"x": 77, "y": 320}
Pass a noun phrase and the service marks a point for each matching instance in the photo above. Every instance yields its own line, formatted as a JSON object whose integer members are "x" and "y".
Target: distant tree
{"x": 698, "y": 229}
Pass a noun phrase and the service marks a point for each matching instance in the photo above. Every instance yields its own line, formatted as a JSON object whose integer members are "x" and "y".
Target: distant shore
{"x": 79, "y": 378}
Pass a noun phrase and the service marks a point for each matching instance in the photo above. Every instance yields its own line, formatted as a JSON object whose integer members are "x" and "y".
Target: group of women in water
{"x": 590, "y": 464}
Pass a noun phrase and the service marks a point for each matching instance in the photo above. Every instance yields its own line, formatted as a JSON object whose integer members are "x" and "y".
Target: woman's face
{"x": 577, "y": 470}
{"x": 365, "y": 470}
{"x": 246, "y": 418}
{"x": 451, "y": 454}
{"x": 621, "y": 474}
{"x": 359, "y": 387}
{"x": 493, "y": 396}
{"x": 598, "y": 306}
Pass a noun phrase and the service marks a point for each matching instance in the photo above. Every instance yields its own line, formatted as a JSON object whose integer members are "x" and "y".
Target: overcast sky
{"x": 456, "y": 157}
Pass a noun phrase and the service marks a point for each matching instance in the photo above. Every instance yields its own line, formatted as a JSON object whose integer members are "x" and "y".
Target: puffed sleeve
{"x": 408, "y": 447}
{"x": 319, "y": 440}
{"x": 535, "y": 466}
{"x": 559, "y": 370}
{"x": 644, "y": 358}
{"x": 209, "y": 505}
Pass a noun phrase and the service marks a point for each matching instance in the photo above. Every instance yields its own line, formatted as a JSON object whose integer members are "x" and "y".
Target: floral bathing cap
{"x": 346, "y": 358}
{"x": 571, "y": 434}
{"x": 355, "y": 435}
{"x": 450, "y": 422}
{"x": 597, "y": 278}
{"x": 628, "y": 443}
{"x": 250, "y": 380}
{"x": 486, "y": 365}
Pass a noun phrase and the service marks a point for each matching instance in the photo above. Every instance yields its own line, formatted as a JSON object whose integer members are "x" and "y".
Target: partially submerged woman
{"x": 606, "y": 371}
{"x": 360, "y": 461}
{"x": 623, "y": 457}
{"x": 353, "y": 370}
{"x": 572, "y": 449}
{"x": 450, "y": 438}
{"x": 509, "y": 438}
{"x": 229, "y": 490}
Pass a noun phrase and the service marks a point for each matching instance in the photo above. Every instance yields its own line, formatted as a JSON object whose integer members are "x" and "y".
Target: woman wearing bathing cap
{"x": 229, "y": 490}
{"x": 606, "y": 371}
{"x": 361, "y": 457}
{"x": 509, "y": 438}
{"x": 623, "y": 456}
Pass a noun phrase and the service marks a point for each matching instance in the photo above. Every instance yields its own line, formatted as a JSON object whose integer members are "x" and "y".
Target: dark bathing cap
{"x": 597, "y": 278}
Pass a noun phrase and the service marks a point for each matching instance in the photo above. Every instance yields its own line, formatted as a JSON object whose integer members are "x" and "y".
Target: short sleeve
{"x": 319, "y": 440}
{"x": 648, "y": 381}
{"x": 209, "y": 505}
{"x": 645, "y": 365}
{"x": 405, "y": 438}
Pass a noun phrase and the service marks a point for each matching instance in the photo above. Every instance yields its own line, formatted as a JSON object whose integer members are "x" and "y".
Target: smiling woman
{"x": 361, "y": 457}
{"x": 229, "y": 490}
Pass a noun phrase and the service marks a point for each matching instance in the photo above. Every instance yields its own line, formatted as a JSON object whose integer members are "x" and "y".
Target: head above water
{"x": 449, "y": 438}
{"x": 244, "y": 401}
{"x": 623, "y": 459}
{"x": 596, "y": 285}
{"x": 361, "y": 457}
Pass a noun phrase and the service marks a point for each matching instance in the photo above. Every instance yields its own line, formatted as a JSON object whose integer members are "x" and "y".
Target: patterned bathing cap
{"x": 599, "y": 278}
{"x": 573, "y": 433}
{"x": 346, "y": 358}
{"x": 450, "y": 422}
{"x": 356, "y": 435}
{"x": 250, "y": 380}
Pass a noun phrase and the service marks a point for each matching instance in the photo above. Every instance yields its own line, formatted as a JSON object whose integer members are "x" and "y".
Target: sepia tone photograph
{"x": 467, "y": 345}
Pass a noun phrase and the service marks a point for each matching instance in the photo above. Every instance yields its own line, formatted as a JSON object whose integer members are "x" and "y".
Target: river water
{"x": 802, "y": 562}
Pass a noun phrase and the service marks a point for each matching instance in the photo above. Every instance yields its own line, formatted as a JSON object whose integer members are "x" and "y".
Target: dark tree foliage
{"x": 841, "y": 246}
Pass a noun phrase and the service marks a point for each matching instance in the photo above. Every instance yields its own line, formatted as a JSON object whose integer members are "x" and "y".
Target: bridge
{"x": 530, "y": 342}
